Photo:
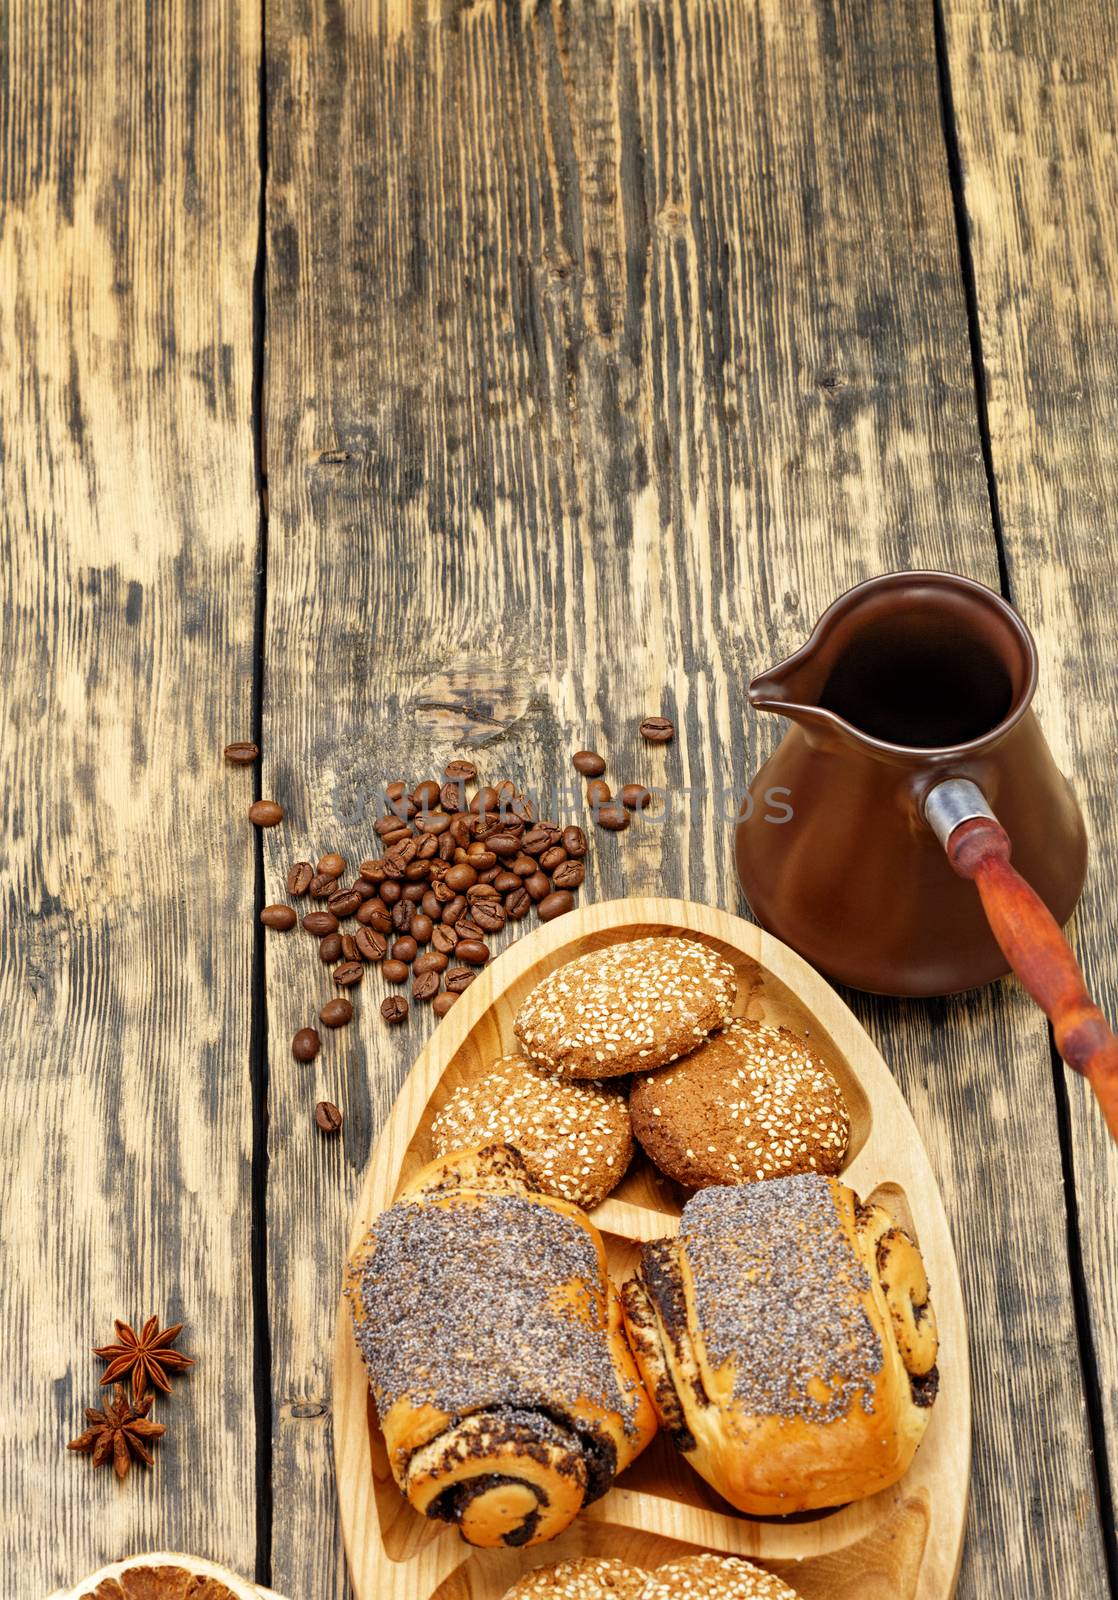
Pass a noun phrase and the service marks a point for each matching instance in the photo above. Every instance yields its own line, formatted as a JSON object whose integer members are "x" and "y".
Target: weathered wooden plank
{"x": 128, "y": 189}
{"x": 606, "y": 345}
{"x": 1036, "y": 93}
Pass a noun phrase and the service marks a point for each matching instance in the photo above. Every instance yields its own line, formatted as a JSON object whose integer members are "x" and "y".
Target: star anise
{"x": 148, "y": 1358}
{"x": 118, "y": 1432}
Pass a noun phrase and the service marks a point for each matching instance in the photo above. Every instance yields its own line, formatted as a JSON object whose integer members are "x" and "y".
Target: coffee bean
{"x": 331, "y": 865}
{"x": 241, "y": 753}
{"x": 394, "y": 1008}
{"x": 452, "y": 797}
{"x": 322, "y": 886}
{"x": 481, "y": 891}
{"x": 426, "y": 794}
{"x": 468, "y": 929}
{"x": 552, "y": 858}
{"x": 538, "y": 885}
{"x": 504, "y": 844}
{"x": 375, "y": 915}
{"x": 506, "y": 881}
{"x": 485, "y": 802}
{"x": 395, "y": 791}
{"x": 320, "y": 922}
{"x": 573, "y": 841}
{"x": 522, "y": 809}
{"x": 299, "y": 877}
{"x": 554, "y": 905}
{"x": 435, "y": 822}
{"x": 349, "y": 973}
{"x": 518, "y": 904}
{"x": 568, "y": 875}
{"x": 489, "y": 915}
{"x": 430, "y": 961}
{"x": 305, "y": 1045}
{"x": 442, "y": 1003}
{"x": 399, "y": 855}
{"x": 444, "y": 939}
{"x": 421, "y": 927}
{"x": 612, "y": 816}
{"x": 428, "y": 848}
{"x": 330, "y": 948}
{"x": 395, "y": 971}
{"x": 539, "y": 838}
{"x": 390, "y": 891}
{"x": 404, "y": 948}
{"x": 328, "y": 1118}
{"x": 389, "y": 826}
{"x": 373, "y": 869}
{"x": 635, "y": 797}
{"x": 459, "y": 978}
{"x": 480, "y": 857}
{"x": 598, "y": 793}
{"x": 473, "y": 952}
{"x": 460, "y": 830}
{"x": 523, "y": 865}
{"x": 418, "y": 872}
{"x": 402, "y": 913}
{"x": 444, "y": 894}
{"x": 350, "y": 951}
{"x": 657, "y": 730}
{"x": 413, "y": 894}
{"x": 278, "y": 917}
{"x": 454, "y": 909}
{"x": 431, "y": 906}
{"x": 371, "y": 946}
{"x": 344, "y": 903}
{"x": 364, "y": 889}
{"x": 460, "y": 877}
{"x": 459, "y": 769}
{"x": 336, "y": 1013}
{"x": 265, "y": 813}
{"x": 506, "y": 792}
{"x": 589, "y": 763}
{"x": 426, "y": 986}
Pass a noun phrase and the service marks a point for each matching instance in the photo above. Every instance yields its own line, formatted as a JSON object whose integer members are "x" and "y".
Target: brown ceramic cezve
{"x": 907, "y": 680}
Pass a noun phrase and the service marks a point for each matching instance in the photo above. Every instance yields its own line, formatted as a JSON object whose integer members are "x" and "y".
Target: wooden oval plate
{"x": 902, "y": 1544}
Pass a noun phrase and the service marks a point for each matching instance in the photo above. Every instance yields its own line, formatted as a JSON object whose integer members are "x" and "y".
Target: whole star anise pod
{"x": 119, "y": 1431}
{"x": 148, "y": 1358}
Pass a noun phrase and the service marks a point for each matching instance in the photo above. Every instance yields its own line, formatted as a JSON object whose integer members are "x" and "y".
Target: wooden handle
{"x": 1034, "y": 946}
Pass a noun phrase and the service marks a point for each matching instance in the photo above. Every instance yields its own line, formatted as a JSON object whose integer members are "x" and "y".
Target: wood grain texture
{"x": 1036, "y": 94}
{"x": 128, "y": 192}
{"x": 909, "y": 1536}
{"x": 607, "y": 343}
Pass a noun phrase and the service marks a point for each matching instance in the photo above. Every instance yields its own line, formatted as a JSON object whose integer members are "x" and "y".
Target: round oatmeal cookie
{"x": 586, "y": 1578}
{"x": 711, "y": 1577}
{"x": 752, "y": 1102}
{"x": 628, "y": 1008}
{"x": 575, "y": 1138}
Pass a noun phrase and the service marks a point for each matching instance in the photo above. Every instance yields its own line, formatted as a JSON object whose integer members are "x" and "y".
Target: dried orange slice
{"x": 163, "y": 1577}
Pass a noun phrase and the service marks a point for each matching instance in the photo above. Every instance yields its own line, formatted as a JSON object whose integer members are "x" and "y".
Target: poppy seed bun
{"x": 574, "y": 1137}
{"x": 631, "y": 1007}
{"x": 751, "y": 1102}
{"x": 712, "y": 1577}
{"x": 585, "y": 1578}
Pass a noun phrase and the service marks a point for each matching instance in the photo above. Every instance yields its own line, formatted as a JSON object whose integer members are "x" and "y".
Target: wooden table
{"x": 387, "y": 380}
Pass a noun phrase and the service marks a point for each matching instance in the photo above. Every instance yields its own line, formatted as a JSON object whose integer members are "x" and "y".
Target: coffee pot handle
{"x": 1030, "y": 938}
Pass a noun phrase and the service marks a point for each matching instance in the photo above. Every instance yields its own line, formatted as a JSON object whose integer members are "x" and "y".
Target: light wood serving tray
{"x": 903, "y": 1544}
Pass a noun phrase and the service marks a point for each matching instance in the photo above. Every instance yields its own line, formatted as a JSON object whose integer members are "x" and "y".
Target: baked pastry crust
{"x": 584, "y": 1578}
{"x": 630, "y": 1007}
{"x": 766, "y": 1336}
{"x": 713, "y": 1577}
{"x": 507, "y": 1393}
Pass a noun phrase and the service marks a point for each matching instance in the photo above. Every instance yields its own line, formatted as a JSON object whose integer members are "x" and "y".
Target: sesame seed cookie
{"x": 628, "y": 1008}
{"x": 587, "y": 1578}
{"x": 575, "y": 1138}
{"x": 752, "y": 1102}
{"x": 712, "y": 1577}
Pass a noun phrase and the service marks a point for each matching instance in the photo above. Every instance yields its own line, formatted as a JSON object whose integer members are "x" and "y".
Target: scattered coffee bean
{"x": 331, "y": 865}
{"x": 350, "y": 951}
{"x": 320, "y": 922}
{"x": 390, "y": 892}
{"x": 328, "y": 1118}
{"x": 598, "y": 793}
{"x": 552, "y": 858}
{"x": 506, "y": 881}
{"x": 523, "y": 865}
{"x": 299, "y": 878}
{"x": 395, "y": 971}
{"x": 278, "y": 917}
{"x": 421, "y": 927}
{"x": 635, "y": 797}
{"x": 413, "y": 894}
{"x": 344, "y": 903}
{"x": 453, "y": 910}
{"x": 489, "y": 915}
{"x": 404, "y": 948}
{"x": 480, "y": 892}
{"x": 241, "y": 753}
{"x": 459, "y": 978}
{"x": 376, "y": 915}
{"x": 371, "y": 945}
{"x": 394, "y": 1008}
{"x": 321, "y": 886}
{"x": 573, "y": 841}
{"x": 349, "y": 973}
{"x": 336, "y": 1013}
{"x": 657, "y": 730}
{"x": 442, "y": 1003}
{"x": 485, "y": 802}
{"x": 568, "y": 875}
{"x": 265, "y": 813}
{"x": 444, "y": 939}
{"x": 538, "y": 885}
{"x": 426, "y": 986}
{"x": 330, "y": 948}
{"x": 430, "y": 961}
{"x": 504, "y": 844}
{"x": 364, "y": 890}
{"x": 305, "y": 1045}
{"x": 518, "y": 904}
{"x": 473, "y": 952}
{"x": 426, "y": 794}
{"x": 612, "y": 816}
{"x": 432, "y": 822}
{"x": 465, "y": 771}
{"x": 461, "y": 877}
{"x": 402, "y": 913}
{"x": 537, "y": 839}
{"x": 555, "y": 904}
{"x": 467, "y": 928}
{"x": 589, "y": 763}
{"x": 395, "y": 791}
